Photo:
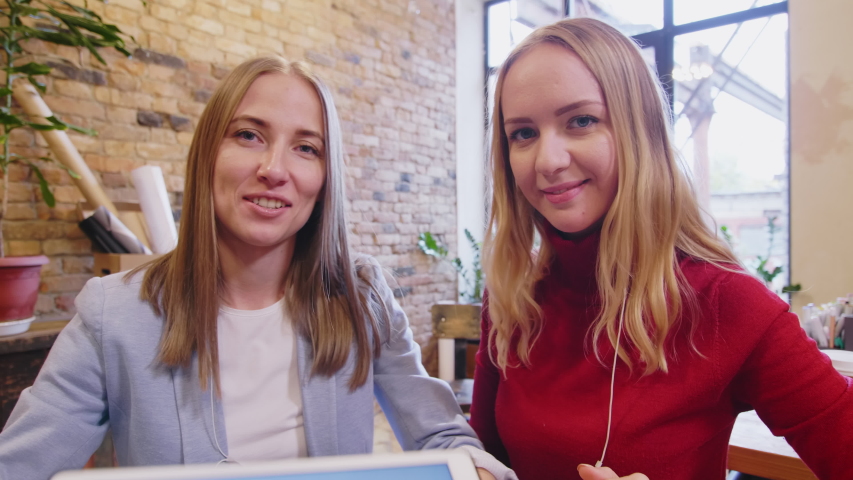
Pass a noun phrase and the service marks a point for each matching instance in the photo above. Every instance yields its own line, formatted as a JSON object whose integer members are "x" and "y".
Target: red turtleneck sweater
{"x": 545, "y": 420}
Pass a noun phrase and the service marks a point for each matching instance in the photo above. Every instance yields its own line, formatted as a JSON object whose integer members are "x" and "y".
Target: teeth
{"x": 268, "y": 202}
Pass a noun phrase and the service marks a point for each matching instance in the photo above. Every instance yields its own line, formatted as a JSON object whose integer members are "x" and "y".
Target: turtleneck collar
{"x": 574, "y": 260}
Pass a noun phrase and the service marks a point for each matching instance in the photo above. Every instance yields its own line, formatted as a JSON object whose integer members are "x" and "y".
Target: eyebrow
{"x": 263, "y": 124}
{"x": 557, "y": 112}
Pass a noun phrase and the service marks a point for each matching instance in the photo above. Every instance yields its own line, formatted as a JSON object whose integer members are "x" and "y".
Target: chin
{"x": 575, "y": 226}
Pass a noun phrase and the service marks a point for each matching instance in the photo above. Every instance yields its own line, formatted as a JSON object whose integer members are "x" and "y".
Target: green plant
{"x": 761, "y": 269}
{"x": 473, "y": 278}
{"x": 57, "y": 22}
{"x": 727, "y": 236}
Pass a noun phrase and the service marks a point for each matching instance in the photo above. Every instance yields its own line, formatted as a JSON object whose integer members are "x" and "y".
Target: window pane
{"x": 686, "y": 11}
{"x": 504, "y": 31}
{"x": 631, "y": 17}
{"x": 731, "y": 127}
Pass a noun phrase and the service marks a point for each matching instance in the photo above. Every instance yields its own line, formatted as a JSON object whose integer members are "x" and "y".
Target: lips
{"x": 564, "y": 192}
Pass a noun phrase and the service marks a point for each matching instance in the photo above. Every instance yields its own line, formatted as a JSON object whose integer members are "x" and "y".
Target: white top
{"x": 261, "y": 396}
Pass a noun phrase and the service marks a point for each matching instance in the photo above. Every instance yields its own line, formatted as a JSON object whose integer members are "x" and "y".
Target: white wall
{"x": 821, "y": 76}
{"x": 470, "y": 132}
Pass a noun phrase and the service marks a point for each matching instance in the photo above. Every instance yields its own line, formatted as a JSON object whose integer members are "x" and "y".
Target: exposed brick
{"x": 123, "y": 81}
{"x": 93, "y": 77}
{"x": 149, "y": 56}
{"x": 64, "y": 283}
{"x": 393, "y": 77}
{"x": 23, "y": 248}
{"x": 113, "y": 180}
{"x": 180, "y": 124}
{"x": 202, "y": 95}
{"x": 149, "y": 119}
{"x": 65, "y": 302}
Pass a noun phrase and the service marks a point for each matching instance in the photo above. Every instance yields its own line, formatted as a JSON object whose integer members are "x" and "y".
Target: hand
{"x": 485, "y": 475}
{"x": 588, "y": 472}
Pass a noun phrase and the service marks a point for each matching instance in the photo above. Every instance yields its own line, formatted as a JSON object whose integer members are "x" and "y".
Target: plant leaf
{"x": 49, "y": 199}
{"x": 430, "y": 246}
{"x": 31, "y": 68}
{"x": 54, "y": 37}
{"x": 40, "y": 86}
{"x": 84, "y": 131}
{"x": 10, "y": 120}
{"x": 71, "y": 173}
{"x": 83, "y": 11}
{"x": 42, "y": 127}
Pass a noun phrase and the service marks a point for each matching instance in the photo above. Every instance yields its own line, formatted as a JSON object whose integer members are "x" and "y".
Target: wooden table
{"x": 21, "y": 358}
{"x": 754, "y": 450}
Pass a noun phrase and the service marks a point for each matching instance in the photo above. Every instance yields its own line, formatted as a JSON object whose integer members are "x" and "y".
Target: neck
{"x": 583, "y": 233}
{"x": 253, "y": 278}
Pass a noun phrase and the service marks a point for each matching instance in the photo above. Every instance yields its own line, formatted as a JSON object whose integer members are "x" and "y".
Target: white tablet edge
{"x": 458, "y": 463}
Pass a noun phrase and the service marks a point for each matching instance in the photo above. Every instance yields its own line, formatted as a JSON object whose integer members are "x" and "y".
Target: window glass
{"x": 731, "y": 129}
{"x": 631, "y": 17}
{"x": 686, "y": 11}
{"x": 504, "y": 31}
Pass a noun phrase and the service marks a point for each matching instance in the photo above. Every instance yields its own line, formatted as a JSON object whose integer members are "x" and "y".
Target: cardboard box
{"x": 109, "y": 263}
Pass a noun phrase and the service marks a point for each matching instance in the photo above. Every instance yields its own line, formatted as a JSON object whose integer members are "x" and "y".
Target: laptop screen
{"x": 420, "y": 465}
{"x": 425, "y": 472}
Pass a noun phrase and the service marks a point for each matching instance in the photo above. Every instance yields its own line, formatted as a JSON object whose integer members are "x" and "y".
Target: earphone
{"x": 225, "y": 458}
{"x": 612, "y": 383}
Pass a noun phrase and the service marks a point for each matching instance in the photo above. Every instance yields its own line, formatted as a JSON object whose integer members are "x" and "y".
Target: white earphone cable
{"x": 613, "y": 383}
{"x": 225, "y": 458}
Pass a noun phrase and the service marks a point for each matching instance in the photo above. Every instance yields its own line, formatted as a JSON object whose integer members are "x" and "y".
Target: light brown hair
{"x": 325, "y": 299}
{"x": 654, "y": 216}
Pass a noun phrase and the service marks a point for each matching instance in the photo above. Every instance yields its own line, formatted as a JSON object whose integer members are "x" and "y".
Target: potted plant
{"x": 457, "y": 325}
{"x": 61, "y": 23}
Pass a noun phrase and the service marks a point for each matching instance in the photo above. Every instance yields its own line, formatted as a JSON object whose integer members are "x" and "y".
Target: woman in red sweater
{"x": 631, "y": 336}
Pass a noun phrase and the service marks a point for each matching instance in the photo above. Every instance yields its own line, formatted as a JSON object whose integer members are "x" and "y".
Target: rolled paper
{"x": 122, "y": 234}
{"x": 156, "y": 208}
{"x": 65, "y": 151}
{"x": 447, "y": 359}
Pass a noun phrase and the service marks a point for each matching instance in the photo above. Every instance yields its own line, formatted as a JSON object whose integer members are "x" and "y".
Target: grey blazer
{"x": 102, "y": 373}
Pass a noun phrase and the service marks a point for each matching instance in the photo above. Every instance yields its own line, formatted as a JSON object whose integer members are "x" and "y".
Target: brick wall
{"x": 390, "y": 64}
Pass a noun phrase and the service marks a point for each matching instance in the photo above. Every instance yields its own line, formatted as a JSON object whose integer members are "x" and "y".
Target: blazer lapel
{"x": 195, "y": 417}
{"x": 319, "y": 404}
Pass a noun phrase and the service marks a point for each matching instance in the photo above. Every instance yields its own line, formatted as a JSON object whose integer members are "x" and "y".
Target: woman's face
{"x": 270, "y": 167}
{"x": 561, "y": 146}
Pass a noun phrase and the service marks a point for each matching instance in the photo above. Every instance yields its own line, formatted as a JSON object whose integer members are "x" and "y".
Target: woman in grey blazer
{"x": 263, "y": 222}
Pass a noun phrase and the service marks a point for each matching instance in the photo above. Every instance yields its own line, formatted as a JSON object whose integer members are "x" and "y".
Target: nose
{"x": 273, "y": 169}
{"x": 553, "y": 155}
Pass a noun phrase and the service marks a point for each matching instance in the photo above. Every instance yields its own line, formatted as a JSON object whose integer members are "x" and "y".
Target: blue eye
{"x": 583, "y": 121}
{"x": 246, "y": 135}
{"x": 525, "y": 133}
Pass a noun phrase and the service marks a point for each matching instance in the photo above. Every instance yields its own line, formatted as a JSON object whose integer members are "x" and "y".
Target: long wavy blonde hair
{"x": 326, "y": 300}
{"x": 654, "y": 216}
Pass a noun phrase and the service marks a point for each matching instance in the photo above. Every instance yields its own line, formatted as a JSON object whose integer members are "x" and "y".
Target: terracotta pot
{"x": 19, "y": 286}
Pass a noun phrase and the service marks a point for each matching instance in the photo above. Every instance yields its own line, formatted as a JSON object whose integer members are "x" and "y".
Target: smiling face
{"x": 270, "y": 167}
{"x": 561, "y": 145}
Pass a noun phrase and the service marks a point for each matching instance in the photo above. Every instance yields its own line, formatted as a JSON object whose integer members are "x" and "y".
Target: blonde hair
{"x": 323, "y": 295}
{"x": 653, "y": 218}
